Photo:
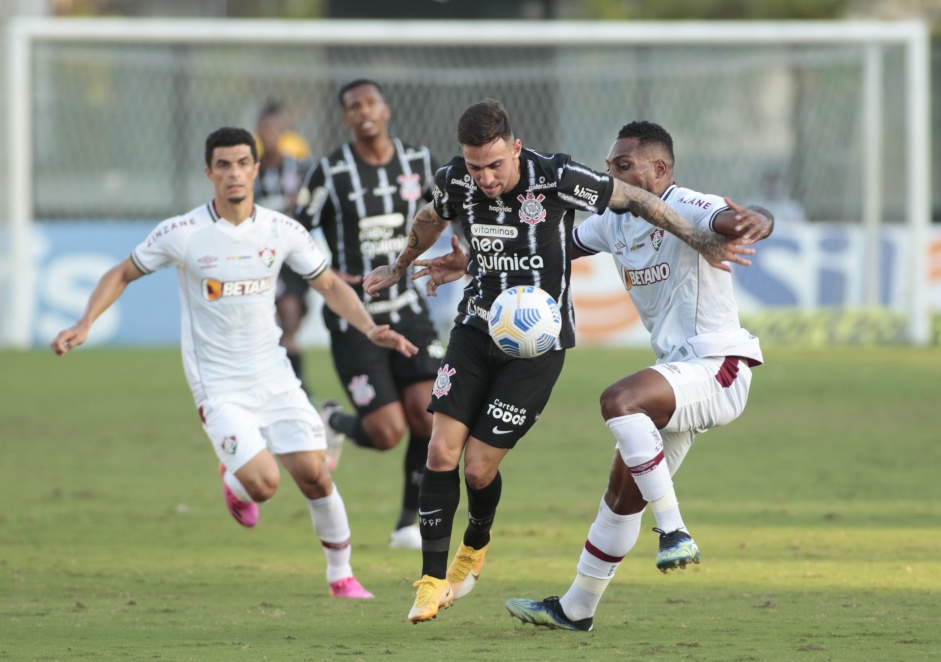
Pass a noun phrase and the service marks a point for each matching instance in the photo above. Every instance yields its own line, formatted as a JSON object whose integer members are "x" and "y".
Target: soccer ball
{"x": 525, "y": 321}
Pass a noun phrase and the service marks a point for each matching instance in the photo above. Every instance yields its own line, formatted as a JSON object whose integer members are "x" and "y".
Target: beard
{"x": 237, "y": 200}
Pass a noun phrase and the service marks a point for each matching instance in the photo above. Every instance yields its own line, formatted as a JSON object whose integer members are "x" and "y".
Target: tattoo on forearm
{"x": 413, "y": 239}
{"x": 648, "y": 206}
{"x": 424, "y": 220}
{"x": 423, "y": 226}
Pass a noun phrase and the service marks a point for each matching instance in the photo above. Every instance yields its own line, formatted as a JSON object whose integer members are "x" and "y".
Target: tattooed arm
{"x": 715, "y": 248}
{"x": 426, "y": 228}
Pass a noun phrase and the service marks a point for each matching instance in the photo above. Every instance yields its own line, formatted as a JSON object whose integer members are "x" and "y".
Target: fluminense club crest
{"x": 229, "y": 444}
{"x": 267, "y": 256}
{"x": 361, "y": 391}
{"x": 532, "y": 211}
{"x": 443, "y": 382}
{"x": 656, "y": 238}
{"x": 409, "y": 186}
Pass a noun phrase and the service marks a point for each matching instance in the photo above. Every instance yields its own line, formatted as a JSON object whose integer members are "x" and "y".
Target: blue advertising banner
{"x": 71, "y": 256}
{"x": 815, "y": 272}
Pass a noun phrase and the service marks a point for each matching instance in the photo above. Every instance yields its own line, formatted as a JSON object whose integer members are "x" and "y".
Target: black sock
{"x": 352, "y": 426}
{"x": 416, "y": 454}
{"x": 438, "y": 499}
{"x": 481, "y": 509}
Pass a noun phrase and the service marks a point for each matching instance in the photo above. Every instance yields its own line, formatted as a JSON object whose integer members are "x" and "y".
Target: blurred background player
{"x": 284, "y": 158}
{"x": 250, "y": 402}
{"x": 362, "y": 196}
{"x": 700, "y": 381}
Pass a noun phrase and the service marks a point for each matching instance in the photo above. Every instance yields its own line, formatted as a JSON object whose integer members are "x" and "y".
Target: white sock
{"x": 641, "y": 448}
{"x": 333, "y": 528}
{"x": 236, "y": 487}
{"x": 669, "y": 518}
{"x": 610, "y": 538}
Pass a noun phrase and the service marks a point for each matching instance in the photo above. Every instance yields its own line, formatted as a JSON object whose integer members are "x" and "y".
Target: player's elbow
{"x": 327, "y": 284}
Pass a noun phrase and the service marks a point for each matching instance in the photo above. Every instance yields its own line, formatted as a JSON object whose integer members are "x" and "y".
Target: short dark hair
{"x": 648, "y": 133}
{"x": 356, "y": 83}
{"x": 482, "y": 123}
{"x": 229, "y": 136}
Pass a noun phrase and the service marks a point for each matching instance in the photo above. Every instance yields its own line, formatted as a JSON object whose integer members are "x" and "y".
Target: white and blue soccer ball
{"x": 525, "y": 321}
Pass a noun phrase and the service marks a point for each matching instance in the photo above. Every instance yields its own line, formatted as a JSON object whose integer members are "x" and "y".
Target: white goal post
{"x": 830, "y": 104}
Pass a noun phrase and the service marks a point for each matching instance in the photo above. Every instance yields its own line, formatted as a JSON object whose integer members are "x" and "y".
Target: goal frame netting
{"x": 912, "y": 36}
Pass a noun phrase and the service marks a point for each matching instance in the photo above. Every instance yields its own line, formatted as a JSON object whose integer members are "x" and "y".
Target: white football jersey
{"x": 228, "y": 276}
{"x": 685, "y": 303}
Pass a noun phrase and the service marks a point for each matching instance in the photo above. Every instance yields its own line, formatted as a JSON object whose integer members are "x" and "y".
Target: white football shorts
{"x": 709, "y": 392}
{"x": 242, "y": 423}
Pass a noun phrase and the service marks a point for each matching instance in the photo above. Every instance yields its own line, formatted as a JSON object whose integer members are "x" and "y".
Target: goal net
{"x": 107, "y": 121}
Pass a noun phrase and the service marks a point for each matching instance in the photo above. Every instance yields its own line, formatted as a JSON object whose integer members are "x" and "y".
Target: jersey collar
{"x": 670, "y": 190}
{"x": 216, "y": 217}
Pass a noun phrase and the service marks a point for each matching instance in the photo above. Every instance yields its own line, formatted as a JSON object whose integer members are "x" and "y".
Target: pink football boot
{"x": 245, "y": 514}
{"x": 348, "y": 587}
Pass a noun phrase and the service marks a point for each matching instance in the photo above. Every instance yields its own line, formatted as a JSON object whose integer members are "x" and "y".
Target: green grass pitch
{"x": 817, "y": 513}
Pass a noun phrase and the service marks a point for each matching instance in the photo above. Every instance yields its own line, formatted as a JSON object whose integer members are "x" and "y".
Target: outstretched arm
{"x": 426, "y": 228}
{"x": 106, "y": 292}
{"x": 343, "y": 300}
{"x": 442, "y": 269}
{"x": 752, "y": 223}
{"x": 715, "y": 248}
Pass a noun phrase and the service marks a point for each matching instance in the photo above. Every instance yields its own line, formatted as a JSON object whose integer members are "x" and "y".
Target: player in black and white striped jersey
{"x": 362, "y": 196}
{"x": 521, "y": 236}
{"x": 516, "y": 208}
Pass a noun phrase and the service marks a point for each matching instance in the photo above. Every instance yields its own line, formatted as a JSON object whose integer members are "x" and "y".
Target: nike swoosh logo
{"x": 497, "y": 430}
{"x": 468, "y": 205}
{"x": 422, "y": 513}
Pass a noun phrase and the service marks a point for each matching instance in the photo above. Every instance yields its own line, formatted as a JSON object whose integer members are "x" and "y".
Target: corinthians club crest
{"x": 443, "y": 382}
{"x": 409, "y": 186}
{"x": 361, "y": 391}
{"x": 532, "y": 211}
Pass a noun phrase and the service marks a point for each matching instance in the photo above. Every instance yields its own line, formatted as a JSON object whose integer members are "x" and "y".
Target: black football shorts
{"x": 374, "y": 376}
{"x": 496, "y": 396}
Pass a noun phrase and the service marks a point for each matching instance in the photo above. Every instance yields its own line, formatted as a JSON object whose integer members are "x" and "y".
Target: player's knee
{"x": 387, "y": 434}
{"x": 387, "y": 440}
{"x": 620, "y": 400}
{"x": 442, "y": 455}
{"x": 316, "y": 483}
{"x": 262, "y": 486}
{"x": 624, "y": 498}
{"x": 478, "y": 475}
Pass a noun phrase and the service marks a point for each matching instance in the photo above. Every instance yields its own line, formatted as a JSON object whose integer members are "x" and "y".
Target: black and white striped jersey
{"x": 525, "y": 236}
{"x": 365, "y": 212}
